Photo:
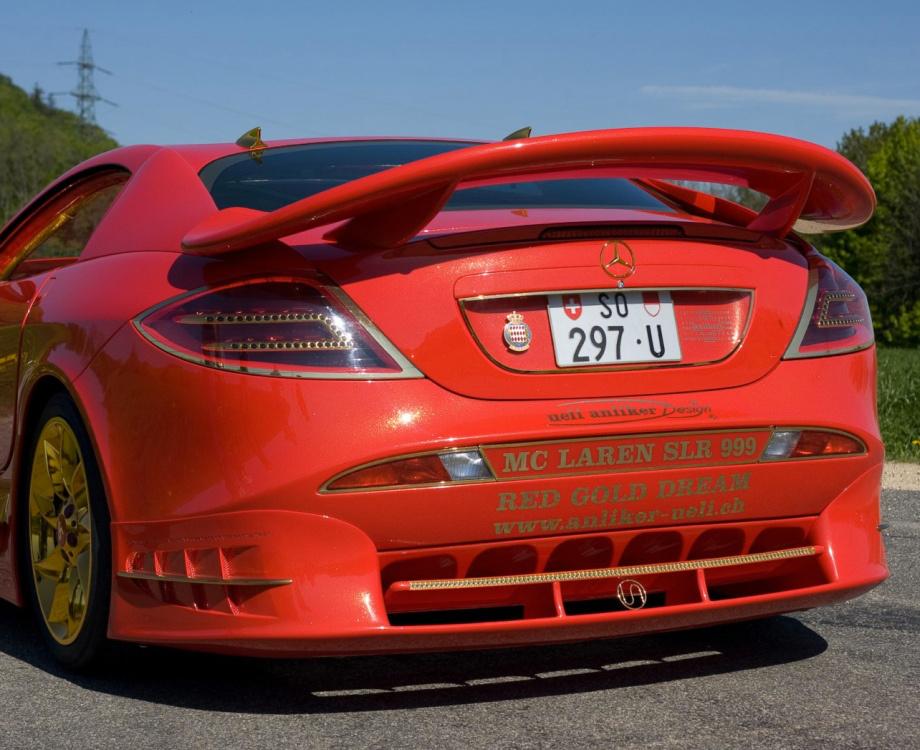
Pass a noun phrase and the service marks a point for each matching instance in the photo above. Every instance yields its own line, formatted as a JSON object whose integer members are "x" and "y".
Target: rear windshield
{"x": 283, "y": 175}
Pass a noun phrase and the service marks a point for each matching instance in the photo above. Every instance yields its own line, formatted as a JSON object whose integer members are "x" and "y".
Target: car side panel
{"x": 76, "y": 312}
{"x": 16, "y": 299}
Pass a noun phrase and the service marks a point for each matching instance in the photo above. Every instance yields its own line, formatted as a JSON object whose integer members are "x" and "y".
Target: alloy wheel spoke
{"x": 76, "y": 598}
{"x": 76, "y": 486}
{"x": 41, "y": 505}
{"x": 53, "y": 468}
{"x": 41, "y": 494}
{"x": 45, "y": 588}
{"x": 84, "y": 540}
{"x": 53, "y": 565}
{"x": 41, "y": 508}
{"x": 71, "y": 465}
{"x": 60, "y": 604}
{"x": 83, "y": 571}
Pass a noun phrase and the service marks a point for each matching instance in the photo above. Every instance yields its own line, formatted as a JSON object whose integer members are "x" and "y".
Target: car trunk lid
{"x": 733, "y": 308}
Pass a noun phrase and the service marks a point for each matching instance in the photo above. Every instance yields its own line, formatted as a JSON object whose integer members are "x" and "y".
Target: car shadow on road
{"x": 369, "y": 683}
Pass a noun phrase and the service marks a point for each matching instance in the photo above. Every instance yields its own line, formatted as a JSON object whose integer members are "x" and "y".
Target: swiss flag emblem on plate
{"x": 571, "y": 303}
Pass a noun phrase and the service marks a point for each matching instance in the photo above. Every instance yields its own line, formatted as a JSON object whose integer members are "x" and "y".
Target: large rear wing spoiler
{"x": 810, "y": 188}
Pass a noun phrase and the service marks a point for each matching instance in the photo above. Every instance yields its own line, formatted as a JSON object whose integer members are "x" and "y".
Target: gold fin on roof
{"x": 519, "y": 133}
{"x": 252, "y": 139}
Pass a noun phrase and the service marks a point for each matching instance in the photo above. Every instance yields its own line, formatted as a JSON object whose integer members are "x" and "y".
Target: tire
{"x": 65, "y": 558}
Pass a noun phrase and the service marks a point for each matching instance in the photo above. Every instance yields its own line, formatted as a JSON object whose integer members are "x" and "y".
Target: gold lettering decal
{"x": 525, "y": 461}
{"x": 506, "y": 501}
{"x": 584, "y": 459}
{"x": 687, "y": 450}
{"x": 704, "y": 485}
{"x": 645, "y": 452}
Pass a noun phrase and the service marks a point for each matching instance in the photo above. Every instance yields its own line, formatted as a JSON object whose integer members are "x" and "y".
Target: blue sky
{"x": 207, "y": 71}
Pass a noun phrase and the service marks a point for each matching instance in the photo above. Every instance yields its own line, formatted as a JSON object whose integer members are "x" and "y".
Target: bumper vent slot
{"x": 609, "y": 604}
{"x": 458, "y": 616}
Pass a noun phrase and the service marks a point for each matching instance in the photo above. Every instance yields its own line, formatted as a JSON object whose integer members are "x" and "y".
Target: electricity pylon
{"x": 85, "y": 93}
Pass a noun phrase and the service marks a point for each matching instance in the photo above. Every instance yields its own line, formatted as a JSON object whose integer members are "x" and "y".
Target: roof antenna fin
{"x": 519, "y": 133}
{"x": 252, "y": 139}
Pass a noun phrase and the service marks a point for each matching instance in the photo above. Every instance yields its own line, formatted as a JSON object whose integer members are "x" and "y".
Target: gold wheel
{"x": 60, "y": 531}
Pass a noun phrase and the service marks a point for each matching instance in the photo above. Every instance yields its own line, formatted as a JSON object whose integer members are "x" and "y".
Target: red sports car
{"x": 368, "y": 395}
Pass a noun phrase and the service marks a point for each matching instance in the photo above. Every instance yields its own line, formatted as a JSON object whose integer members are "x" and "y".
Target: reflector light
{"x": 836, "y": 316}
{"x": 292, "y": 327}
{"x": 465, "y": 465}
{"x": 809, "y": 443}
{"x": 781, "y": 445}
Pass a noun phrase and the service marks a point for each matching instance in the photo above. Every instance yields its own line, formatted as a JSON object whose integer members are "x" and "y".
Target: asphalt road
{"x": 846, "y": 676}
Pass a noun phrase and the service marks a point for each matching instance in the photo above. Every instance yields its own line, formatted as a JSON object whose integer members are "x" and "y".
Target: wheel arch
{"x": 33, "y": 401}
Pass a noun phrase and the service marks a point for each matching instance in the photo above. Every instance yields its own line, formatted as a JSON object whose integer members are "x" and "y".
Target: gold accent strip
{"x": 220, "y": 318}
{"x": 589, "y": 290}
{"x": 139, "y": 575}
{"x": 343, "y": 345}
{"x": 600, "y": 573}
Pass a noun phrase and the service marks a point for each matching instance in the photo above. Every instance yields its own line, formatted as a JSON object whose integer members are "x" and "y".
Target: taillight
{"x": 810, "y": 444}
{"x": 290, "y": 327}
{"x": 427, "y": 469}
{"x": 836, "y": 316}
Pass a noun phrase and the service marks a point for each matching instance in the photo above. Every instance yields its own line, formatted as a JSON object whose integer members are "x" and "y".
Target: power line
{"x": 86, "y": 93}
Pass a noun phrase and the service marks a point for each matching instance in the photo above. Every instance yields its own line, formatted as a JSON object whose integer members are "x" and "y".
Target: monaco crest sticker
{"x": 517, "y": 333}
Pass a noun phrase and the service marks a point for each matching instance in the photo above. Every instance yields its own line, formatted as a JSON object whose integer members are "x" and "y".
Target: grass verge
{"x": 899, "y": 402}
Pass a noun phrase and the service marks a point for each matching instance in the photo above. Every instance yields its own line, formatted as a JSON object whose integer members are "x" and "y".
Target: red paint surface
{"x": 197, "y": 460}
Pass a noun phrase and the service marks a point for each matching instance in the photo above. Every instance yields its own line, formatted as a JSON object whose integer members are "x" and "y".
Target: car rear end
{"x": 531, "y": 423}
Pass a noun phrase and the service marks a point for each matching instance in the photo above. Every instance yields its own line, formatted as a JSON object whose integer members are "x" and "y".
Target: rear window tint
{"x": 287, "y": 174}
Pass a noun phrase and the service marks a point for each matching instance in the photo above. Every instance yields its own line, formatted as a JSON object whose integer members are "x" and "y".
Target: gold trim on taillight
{"x": 405, "y": 369}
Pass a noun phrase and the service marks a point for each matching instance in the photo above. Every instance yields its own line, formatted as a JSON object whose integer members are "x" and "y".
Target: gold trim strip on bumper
{"x": 138, "y": 575}
{"x": 600, "y": 573}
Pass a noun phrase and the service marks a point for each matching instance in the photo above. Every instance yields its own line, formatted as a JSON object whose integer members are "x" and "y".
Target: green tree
{"x": 37, "y": 143}
{"x": 884, "y": 254}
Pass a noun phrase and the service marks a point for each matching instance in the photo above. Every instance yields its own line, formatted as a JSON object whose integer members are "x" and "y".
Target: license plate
{"x": 611, "y": 327}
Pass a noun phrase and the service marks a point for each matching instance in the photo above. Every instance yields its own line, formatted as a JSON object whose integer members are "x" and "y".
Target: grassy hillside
{"x": 37, "y": 143}
{"x": 899, "y": 402}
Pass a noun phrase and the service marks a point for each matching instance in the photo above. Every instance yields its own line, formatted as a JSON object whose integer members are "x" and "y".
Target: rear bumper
{"x": 283, "y": 583}
{"x": 215, "y": 487}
